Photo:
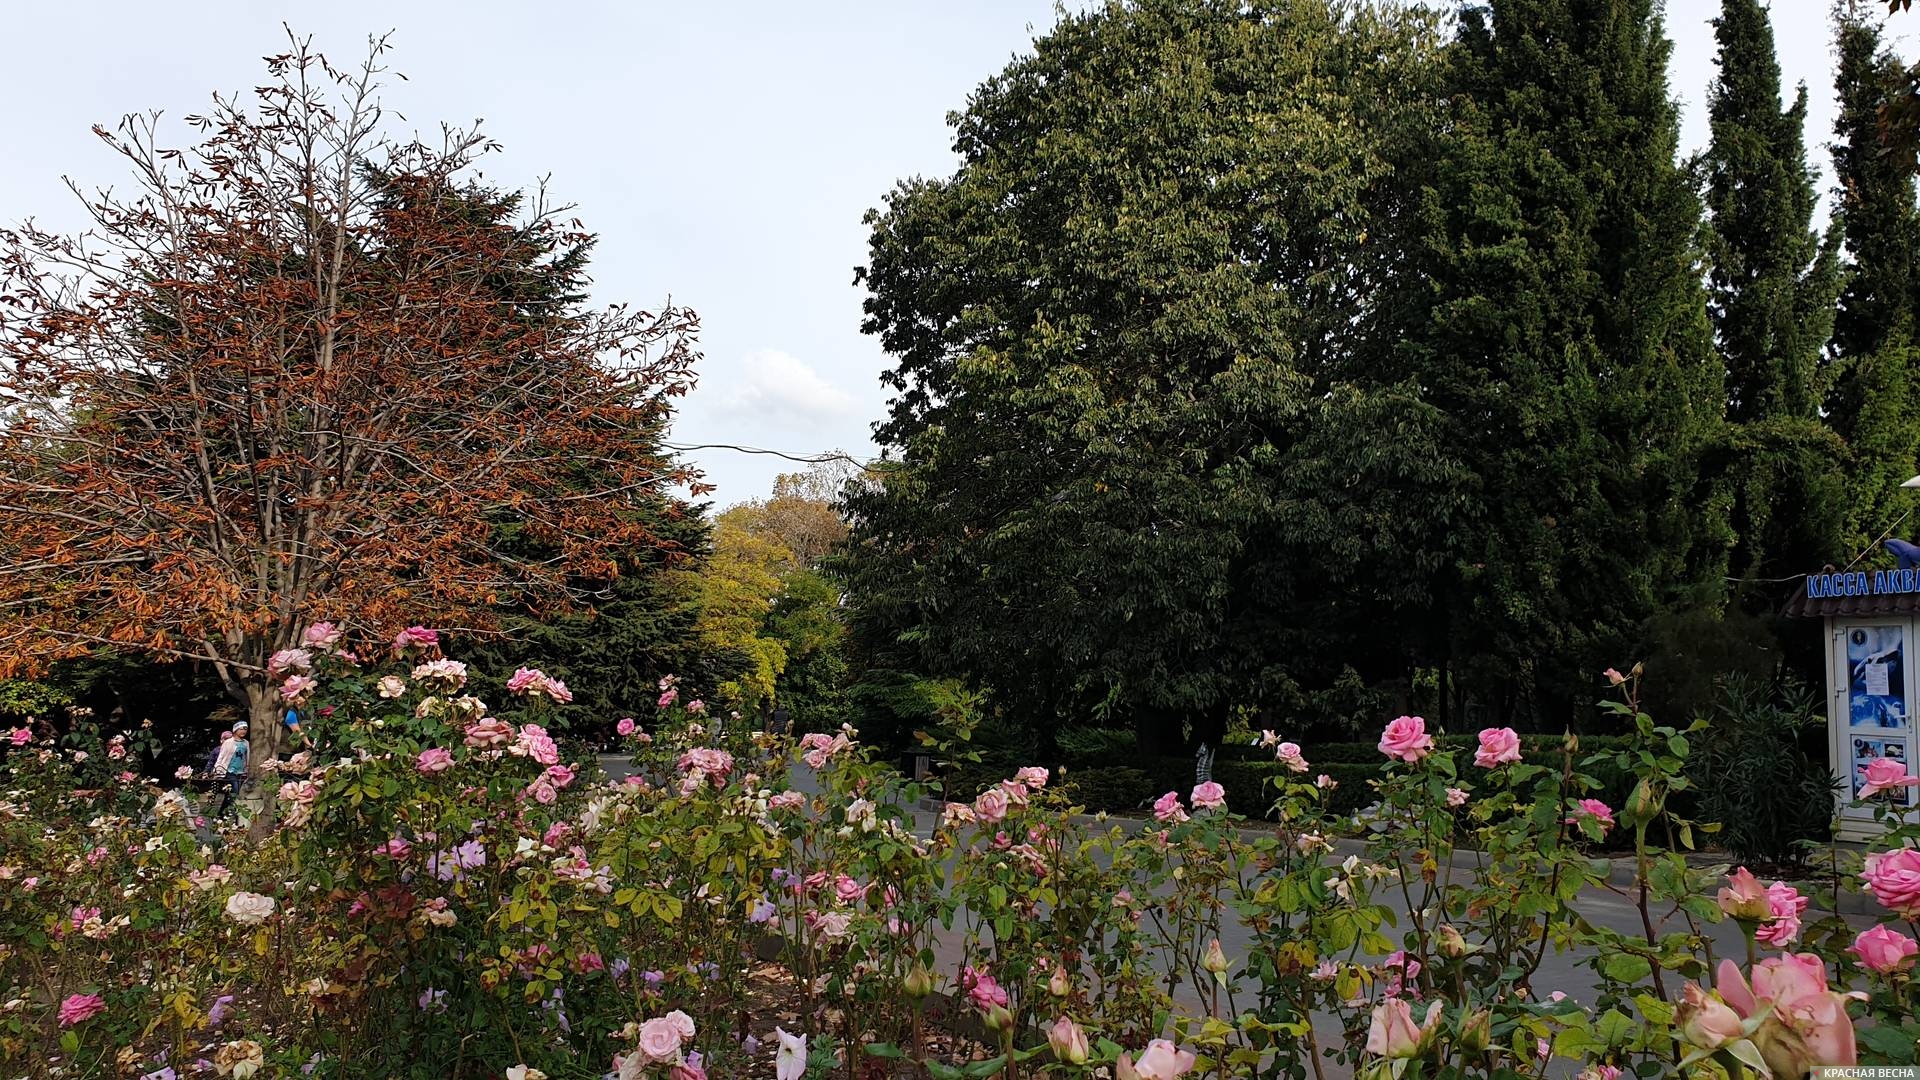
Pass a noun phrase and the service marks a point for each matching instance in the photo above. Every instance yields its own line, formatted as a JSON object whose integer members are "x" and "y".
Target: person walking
{"x": 230, "y": 769}
{"x": 212, "y": 775}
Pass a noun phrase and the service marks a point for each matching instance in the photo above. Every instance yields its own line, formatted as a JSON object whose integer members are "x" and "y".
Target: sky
{"x": 724, "y": 153}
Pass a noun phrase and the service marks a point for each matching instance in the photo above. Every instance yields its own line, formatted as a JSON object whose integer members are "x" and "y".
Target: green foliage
{"x": 1772, "y": 287}
{"x": 1551, "y": 307}
{"x": 1148, "y": 469}
{"x": 1118, "y": 788}
{"x": 1873, "y": 404}
{"x": 22, "y": 698}
{"x": 1753, "y": 771}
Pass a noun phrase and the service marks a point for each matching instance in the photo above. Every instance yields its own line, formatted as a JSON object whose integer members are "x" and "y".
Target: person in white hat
{"x": 230, "y": 768}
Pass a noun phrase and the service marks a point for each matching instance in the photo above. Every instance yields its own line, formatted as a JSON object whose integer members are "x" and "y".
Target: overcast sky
{"x": 723, "y": 152}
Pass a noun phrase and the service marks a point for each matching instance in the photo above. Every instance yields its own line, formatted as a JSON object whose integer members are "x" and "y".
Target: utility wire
{"x": 804, "y": 459}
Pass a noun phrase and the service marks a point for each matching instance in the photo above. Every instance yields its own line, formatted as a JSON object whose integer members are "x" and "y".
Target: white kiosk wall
{"x": 1872, "y": 686}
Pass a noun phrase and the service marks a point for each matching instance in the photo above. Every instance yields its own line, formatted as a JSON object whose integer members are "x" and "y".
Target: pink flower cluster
{"x": 79, "y": 1008}
{"x": 704, "y": 765}
{"x": 530, "y": 681}
{"x": 819, "y": 749}
{"x": 532, "y": 741}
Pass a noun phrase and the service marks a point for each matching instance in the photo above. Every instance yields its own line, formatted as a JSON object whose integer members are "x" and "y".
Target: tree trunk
{"x": 264, "y": 738}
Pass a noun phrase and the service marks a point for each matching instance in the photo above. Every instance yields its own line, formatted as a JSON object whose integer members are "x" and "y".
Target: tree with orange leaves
{"x": 282, "y": 382}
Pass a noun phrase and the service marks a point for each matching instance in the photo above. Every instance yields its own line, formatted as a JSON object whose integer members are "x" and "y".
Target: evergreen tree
{"x": 1557, "y": 317}
{"x": 1133, "y": 478}
{"x": 1771, "y": 290}
{"x": 1873, "y": 402}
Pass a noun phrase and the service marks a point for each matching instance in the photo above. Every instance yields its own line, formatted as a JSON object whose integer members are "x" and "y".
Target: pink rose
{"x": 991, "y": 806}
{"x": 696, "y": 706}
{"x": 321, "y": 635}
{"x": 80, "y": 1008}
{"x": 1784, "y": 905}
{"x": 1744, "y": 897}
{"x": 660, "y": 1040}
{"x": 396, "y": 848}
{"x": 534, "y": 742}
{"x": 1498, "y": 746}
{"x": 1032, "y": 776}
{"x": 20, "y": 736}
{"x": 848, "y": 890}
{"x": 682, "y": 1023}
{"x": 624, "y": 727}
{"x": 1808, "y": 1024}
{"x": 1894, "y": 878}
{"x": 1392, "y": 1032}
{"x": 1594, "y": 809}
{"x": 787, "y": 800}
{"x": 1209, "y": 796}
{"x": 559, "y": 775}
{"x": 1325, "y": 782}
{"x": 1167, "y": 808}
{"x": 982, "y": 989}
{"x": 415, "y": 637}
{"x": 433, "y": 760}
{"x": 1705, "y": 1021}
{"x": 1614, "y": 677}
{"x": 668, "y": 698}
{"x": 543, "y": 792}
{"x": 297, "y": 687}
{"x": 1456, "y": 797}
{"x": 1406, "y": 739}
{"x": 523, "y": 679}
{"x": 1161, "y": 1060}
{"x": 1289, "y": 755}
{"x": 1884, "y": 949}
{"x": 489, "y": 732}
{"x": 1884, "y": 774}
{"x": 288, "y": 662}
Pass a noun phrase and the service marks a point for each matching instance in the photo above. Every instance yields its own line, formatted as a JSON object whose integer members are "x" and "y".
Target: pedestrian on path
{"x": 230, "y": 769}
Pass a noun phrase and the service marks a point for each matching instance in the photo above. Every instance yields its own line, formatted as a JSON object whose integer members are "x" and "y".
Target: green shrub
{"x": 1113, "y": 788}
{"x": 1753, "y": 774}
{"x": 1089, "y": 746}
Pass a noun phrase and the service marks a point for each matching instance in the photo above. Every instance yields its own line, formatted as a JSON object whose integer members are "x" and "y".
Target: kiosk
{"x": 1872, "y": 623}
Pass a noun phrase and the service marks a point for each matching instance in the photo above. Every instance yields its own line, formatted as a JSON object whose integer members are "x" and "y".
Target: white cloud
{"x": 778, "y": 387}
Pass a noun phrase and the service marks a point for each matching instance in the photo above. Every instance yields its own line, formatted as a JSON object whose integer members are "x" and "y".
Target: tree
{"x": 1127, "y": 475}
{"x": 738, "y": 585}
{"x": 1873, "y": 403}
{"x": 1551, "y": 308}
{"x": 1772, "y": 284}
{"x": 260, "y": 393}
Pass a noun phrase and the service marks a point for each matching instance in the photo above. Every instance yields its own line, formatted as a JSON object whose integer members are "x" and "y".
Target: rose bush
{"x": 449, "y": 894}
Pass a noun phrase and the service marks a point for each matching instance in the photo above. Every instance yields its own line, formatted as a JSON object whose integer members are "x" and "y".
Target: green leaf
{"x": 989, "y": 1067}
{"x": 885, "y": 1050}
{"x": 1624, "y": 967}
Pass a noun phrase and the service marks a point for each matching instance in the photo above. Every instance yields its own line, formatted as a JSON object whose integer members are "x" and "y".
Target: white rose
{"x": 249, "y": 909}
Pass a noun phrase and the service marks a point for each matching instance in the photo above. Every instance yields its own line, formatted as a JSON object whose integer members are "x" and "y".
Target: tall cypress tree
{"x": 1873, "y": 402}
{"x": 1557, "y": 317}
{"x": 1771, "y": 292}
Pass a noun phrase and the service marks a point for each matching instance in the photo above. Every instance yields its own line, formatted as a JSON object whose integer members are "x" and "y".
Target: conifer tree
{"x": 1872, "y": 405}
{"x": 1771, "y": 291}
{"x": 1559, "y": 321}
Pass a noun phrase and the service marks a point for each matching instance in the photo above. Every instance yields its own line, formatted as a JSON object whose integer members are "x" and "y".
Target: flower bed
{"x": 446, "y": 896}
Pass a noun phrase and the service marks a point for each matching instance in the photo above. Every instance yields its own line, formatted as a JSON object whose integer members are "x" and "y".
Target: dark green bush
{"x": 1113, "y": 788}
{"x": 1753, "y": 772}
{"x": 1088, "y": 746}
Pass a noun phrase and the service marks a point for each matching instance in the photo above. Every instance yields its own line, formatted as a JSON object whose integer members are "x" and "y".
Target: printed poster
{"x": 1865, "y": 750}
{"x": 1877, "y": 677}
